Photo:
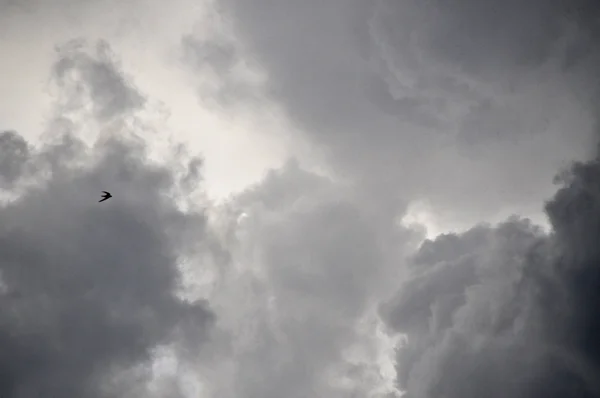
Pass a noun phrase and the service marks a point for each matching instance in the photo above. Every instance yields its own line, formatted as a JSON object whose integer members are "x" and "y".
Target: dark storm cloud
{"x": 428, "y": 99}
{"x": 90, "y": 289}
{"x": 507, "y": 311}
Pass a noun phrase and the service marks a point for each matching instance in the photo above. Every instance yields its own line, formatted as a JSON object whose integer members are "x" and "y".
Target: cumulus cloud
{"x": 89, "y": 290}
{"x": 506, "y": 311}
{"x": 307, "y": 268}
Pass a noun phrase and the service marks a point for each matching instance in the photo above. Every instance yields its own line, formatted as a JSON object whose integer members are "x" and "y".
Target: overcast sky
{"x": 318, "y": 198}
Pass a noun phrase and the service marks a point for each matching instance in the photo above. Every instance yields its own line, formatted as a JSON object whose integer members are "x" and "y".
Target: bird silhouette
{"x": 106, "y": 196}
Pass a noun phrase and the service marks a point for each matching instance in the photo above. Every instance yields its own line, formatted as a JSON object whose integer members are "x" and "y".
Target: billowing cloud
{"x": 471, "y": 107}
{"x": 508, "y": 310}
{"x": 474, "y": 106}
{"x": 297, "y": 301}
{"x": 90, "y": 290}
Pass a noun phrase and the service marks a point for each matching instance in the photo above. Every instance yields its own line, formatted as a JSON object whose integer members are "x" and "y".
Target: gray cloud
{"x": 96, "y": 77}
{"x": 309, "y": 262}
{"x": 428, "y": 100}
{"x": 471, "y": 110}
{"x": 507, "y": 311}
{"x": 218, "y": 58}
{"x": 475, "y": 106}
{"x": 89, "y": 290}
{"x": 14, "y": 153}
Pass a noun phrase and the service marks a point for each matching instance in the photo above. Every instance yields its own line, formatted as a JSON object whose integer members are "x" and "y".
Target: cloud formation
{"x": 296, "y": 301}
{"x": 472, "y": 106}
{"x": 90, "y": 290}
{"x": 507, "y": 311}
{"x": 428, "y": 100}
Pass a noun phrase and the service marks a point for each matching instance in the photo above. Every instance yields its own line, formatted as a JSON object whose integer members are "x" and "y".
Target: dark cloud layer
{"x": 474, "y": 105}
{"x": 318, "y": 53}
{"x": 507, "y": 311}
{"x": 89, "y": 289}
{"x": 425, "y": 99}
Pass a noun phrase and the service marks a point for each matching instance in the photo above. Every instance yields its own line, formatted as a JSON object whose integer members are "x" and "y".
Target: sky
{"x": 317, "y": 198}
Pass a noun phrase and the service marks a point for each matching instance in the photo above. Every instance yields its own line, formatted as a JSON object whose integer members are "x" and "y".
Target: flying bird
{"x": 106, "y": 196}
